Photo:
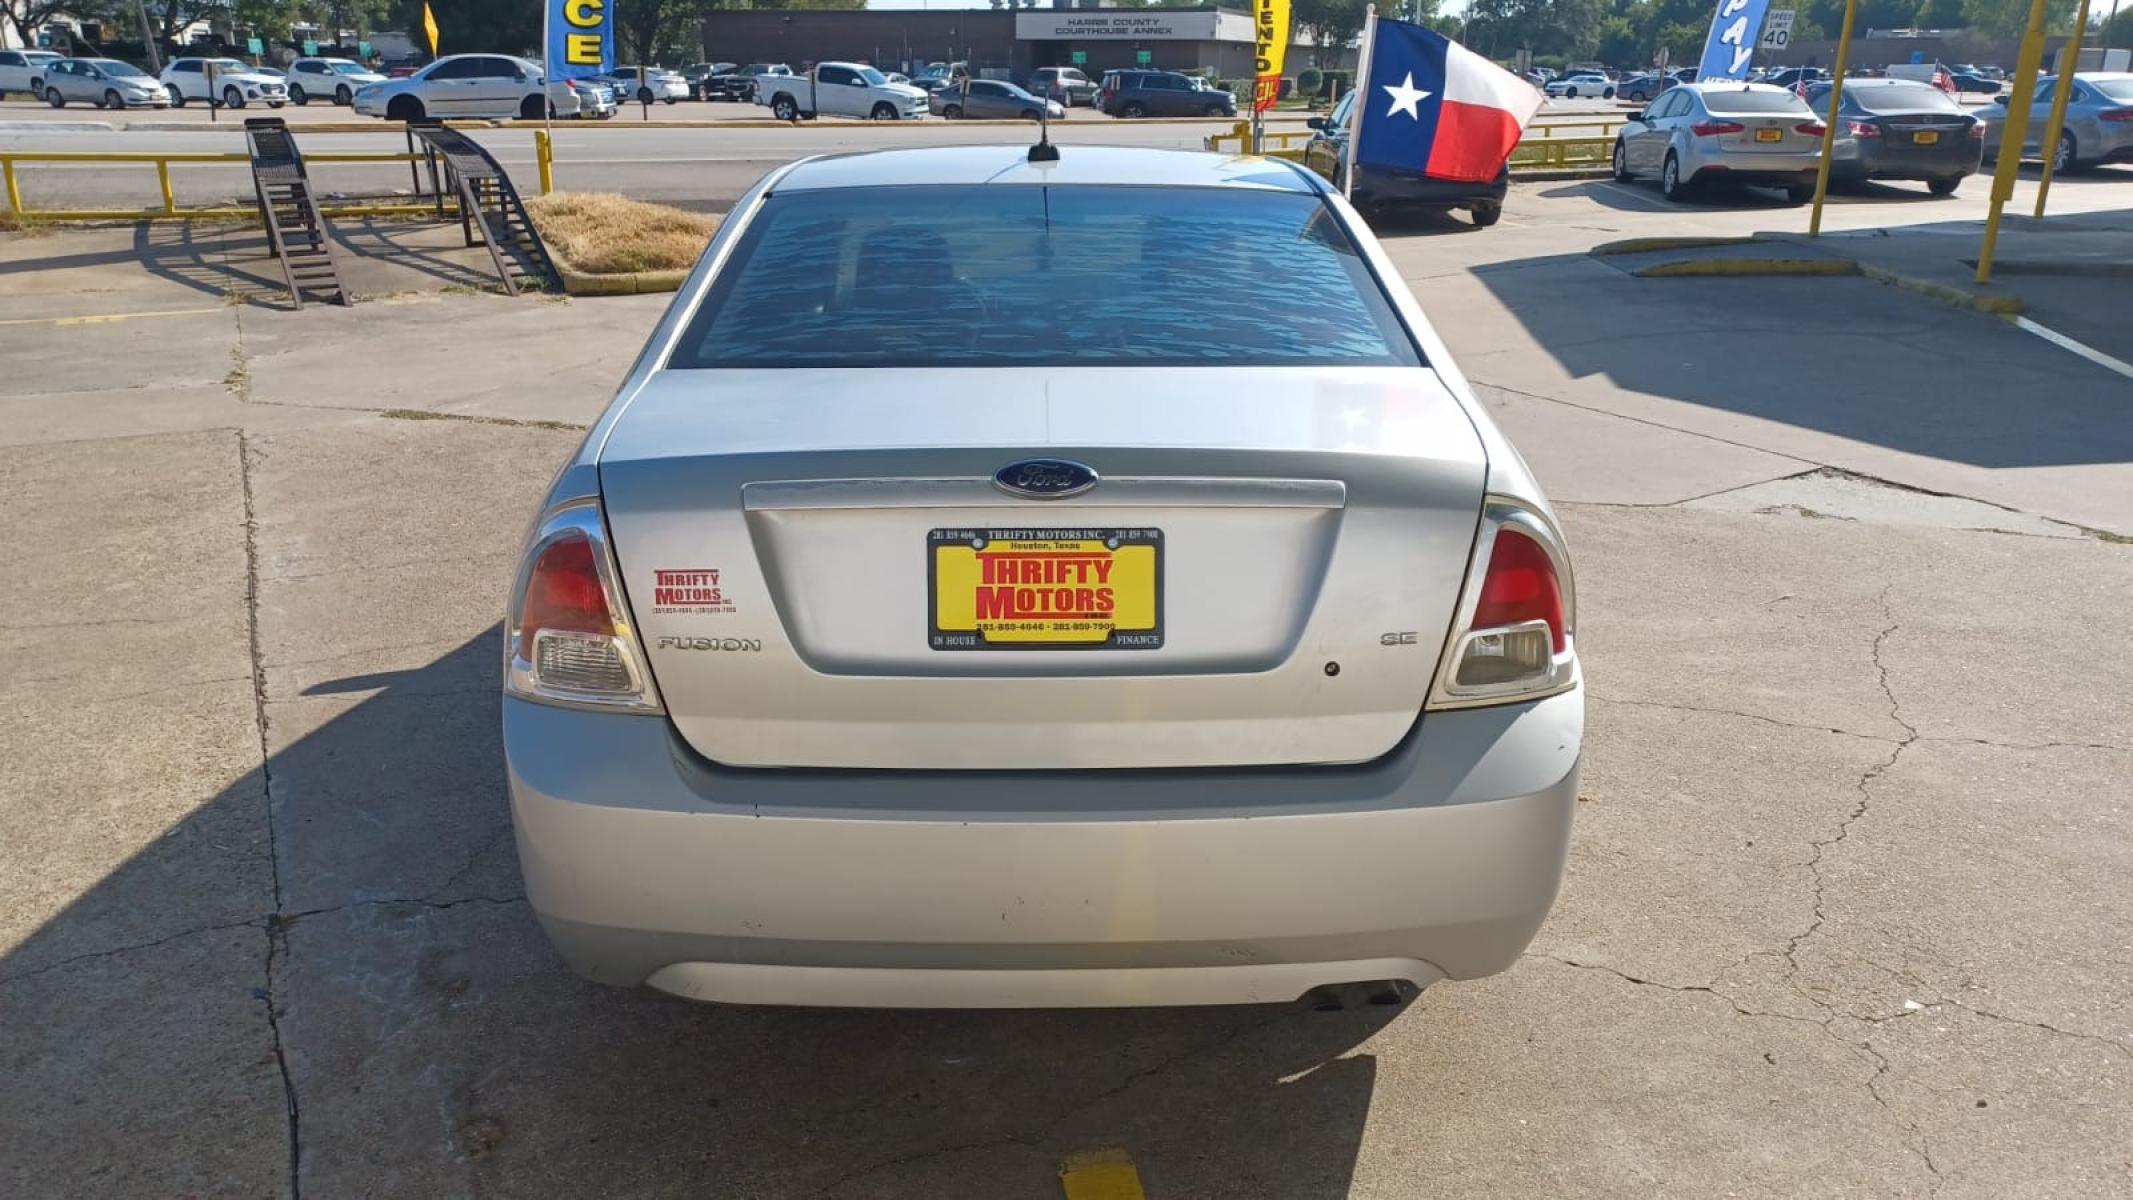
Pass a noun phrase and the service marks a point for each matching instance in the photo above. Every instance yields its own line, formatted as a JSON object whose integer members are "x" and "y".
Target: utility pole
{"x": 148, "y": 38}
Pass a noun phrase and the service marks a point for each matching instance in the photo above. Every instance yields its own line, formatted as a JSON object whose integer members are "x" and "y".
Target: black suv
{"x": 1161, "y": 94}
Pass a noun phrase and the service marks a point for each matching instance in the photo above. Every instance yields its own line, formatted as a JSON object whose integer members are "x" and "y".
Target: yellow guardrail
{"x": 163, "y": 160}
{"x": 1540, "y": 148}
{"x": 1557, "y": 154}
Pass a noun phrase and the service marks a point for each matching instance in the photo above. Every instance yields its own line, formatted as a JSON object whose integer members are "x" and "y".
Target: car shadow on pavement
{"x": 1800, "y": 352}
{"x": 431, "y": 1044}
{"x": 1406, "y": 222}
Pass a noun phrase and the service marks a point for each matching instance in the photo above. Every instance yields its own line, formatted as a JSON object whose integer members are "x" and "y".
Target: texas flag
{"x": 1434, "y": 107}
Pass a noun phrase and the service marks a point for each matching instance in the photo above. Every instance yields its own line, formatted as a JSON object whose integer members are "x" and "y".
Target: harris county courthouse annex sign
{"x": 1132, "y": 25}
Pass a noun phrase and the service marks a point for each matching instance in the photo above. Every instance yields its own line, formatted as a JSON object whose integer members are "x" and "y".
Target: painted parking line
{"x": 2071, "y": 346}
{"x": 1100, "y": 1175}
{"x": 108, "y": 318}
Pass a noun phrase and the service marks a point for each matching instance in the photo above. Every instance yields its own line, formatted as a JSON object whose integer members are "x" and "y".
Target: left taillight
{"x": 1513, "y": 639}
{"x": 567, "y": 635}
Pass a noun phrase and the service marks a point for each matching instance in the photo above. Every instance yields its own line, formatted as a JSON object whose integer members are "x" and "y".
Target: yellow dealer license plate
{"x": 1045, "y": 589}
{"x": 1769, "y": 135}
{"x": 1926, "y": 137}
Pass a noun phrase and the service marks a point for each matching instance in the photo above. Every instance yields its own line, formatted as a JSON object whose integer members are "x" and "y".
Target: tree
{"x": 1941, "y": 14}
{"x": 2009, "y": 18}
{"x": 1333, "y": 23}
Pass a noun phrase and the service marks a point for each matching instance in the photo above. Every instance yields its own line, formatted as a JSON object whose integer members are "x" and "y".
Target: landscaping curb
{"x": 635, "y": 283}
{"x": 1695, "y": 268}
{"x": 1998, "y": 305}
{"x": 1955, "y": 296}
{"x": 1642, "y": 245}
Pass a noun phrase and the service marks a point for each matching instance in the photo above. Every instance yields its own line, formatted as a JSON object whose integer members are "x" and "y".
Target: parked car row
{"x": 1761, "y": 134}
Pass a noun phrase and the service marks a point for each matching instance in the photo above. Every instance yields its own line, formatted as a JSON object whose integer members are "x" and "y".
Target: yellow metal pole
{"x": 14, "y": 193}
{"x": 544, "y": 156}
{"x": 1829, "y": 126}
{"x": 170, "y": 202}
{"x": 2012, "y": 131}
{"x": 2068, "y": 62}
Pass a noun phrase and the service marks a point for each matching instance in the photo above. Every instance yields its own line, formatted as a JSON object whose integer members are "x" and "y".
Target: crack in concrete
{"x": 488, "y": 844}
{"x": 277, "y": 946}
{"x": 285, "y": 920}
{"x": 129, "y": 948}
{"x": 1916, "y": 1136}
{"x": 1865, "y": 787}
{"x": 1734, "y": 712}
{"x": 1701, "y": 989}
{"x": 1810, "y": 727}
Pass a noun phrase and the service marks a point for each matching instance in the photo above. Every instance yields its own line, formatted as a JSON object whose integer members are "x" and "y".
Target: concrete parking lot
{"x": 1846, "y": 910}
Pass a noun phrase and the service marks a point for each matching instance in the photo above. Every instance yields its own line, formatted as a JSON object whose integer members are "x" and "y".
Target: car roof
{"x": 1707, "y": 87}
{"x": 963, "y": 166}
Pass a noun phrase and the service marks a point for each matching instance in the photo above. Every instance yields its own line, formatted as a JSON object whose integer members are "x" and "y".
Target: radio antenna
{"x": 1044, "y": 150}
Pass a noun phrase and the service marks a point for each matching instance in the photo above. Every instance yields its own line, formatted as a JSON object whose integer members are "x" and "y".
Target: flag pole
{"x": 1355, "y": 110}
{"x": 545, "y": 154}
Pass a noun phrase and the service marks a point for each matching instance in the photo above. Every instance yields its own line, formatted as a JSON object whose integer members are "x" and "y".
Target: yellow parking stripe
{"x": 1100, "y": 1175}
{"x": 107, "y": 318}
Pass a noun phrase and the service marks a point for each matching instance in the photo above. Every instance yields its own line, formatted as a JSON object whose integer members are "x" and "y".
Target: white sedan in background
{"x": 660, "y": 85}
{"x": 335, "y": 79}
{"x": 497, "y": 86}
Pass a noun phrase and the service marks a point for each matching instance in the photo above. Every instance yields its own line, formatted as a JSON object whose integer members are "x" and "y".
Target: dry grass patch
{"x": 601, "y": 234}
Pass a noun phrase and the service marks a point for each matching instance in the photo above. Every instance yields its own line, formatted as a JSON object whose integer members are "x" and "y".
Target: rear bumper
{"x": 1377, "y": 186}
{"x": 1962, "y": 158}
{"x": 648, "y": 866}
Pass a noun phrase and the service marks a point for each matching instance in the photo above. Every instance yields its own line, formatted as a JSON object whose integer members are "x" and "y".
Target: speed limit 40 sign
{"x": 1777, "y": 29}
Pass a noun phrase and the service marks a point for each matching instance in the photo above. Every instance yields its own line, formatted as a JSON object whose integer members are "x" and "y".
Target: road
{"x": 696, "y": 168}
{"x": 1845, "y": 910}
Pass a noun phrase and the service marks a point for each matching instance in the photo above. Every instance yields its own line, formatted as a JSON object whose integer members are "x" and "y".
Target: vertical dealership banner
{"x": 581, "y": 38}
{"x": 1272, "y": 19}
{"x": 1732, "y": 40}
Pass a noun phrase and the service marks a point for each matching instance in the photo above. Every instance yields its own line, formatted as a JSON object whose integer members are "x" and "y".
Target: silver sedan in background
{"x": 1699, "y": 134}
{"x": 103, "y": 82}
{"x": 930, "y": 620}
{"x": 2099, "y": 122}
{"x": 987, "y": 99}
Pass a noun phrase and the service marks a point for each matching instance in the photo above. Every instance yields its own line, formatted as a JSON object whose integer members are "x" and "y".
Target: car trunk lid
{"x": 824, "y": 573}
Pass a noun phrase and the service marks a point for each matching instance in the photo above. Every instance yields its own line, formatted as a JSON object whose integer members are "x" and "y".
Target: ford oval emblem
{"x": 1044, "y": 478}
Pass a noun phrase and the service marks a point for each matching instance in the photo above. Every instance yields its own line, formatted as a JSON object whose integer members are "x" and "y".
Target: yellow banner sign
{"x": 1272, "y": 19}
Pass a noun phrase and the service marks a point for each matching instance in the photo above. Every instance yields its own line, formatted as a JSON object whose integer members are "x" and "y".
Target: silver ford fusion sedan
{"x": 1027, "y": 583}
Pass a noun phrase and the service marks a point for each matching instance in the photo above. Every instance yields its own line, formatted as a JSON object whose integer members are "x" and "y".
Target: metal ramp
{"x": 296, "y": 232}
{"x": 487, "y": 198}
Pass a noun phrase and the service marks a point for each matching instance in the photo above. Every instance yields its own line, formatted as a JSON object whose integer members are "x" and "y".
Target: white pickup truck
{"x": 838, "y": 89}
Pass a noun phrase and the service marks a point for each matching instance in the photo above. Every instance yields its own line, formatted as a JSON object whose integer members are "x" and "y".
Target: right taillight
{"x": 1714, "y": 128}
{"x": 1860, "y": 129}
{"x": 1513, "y": 636}
{"x": 567, "y": 636}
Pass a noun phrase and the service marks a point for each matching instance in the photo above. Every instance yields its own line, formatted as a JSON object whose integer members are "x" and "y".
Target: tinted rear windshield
{"x": 1016, "y": 275}
{"x": 1905, "y": 97}
{"x": 1730, "y": 103}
